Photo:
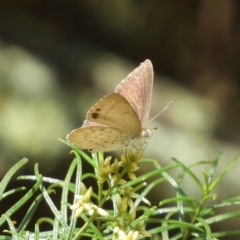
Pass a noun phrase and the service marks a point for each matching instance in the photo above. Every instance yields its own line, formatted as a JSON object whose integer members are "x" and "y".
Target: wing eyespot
{"x": 94, "y": 115}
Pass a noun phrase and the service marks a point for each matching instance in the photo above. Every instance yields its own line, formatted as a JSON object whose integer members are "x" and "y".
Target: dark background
{"x": 57, "y": 58}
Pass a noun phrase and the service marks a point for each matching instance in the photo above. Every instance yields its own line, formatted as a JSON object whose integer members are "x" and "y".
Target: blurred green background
{"x": 57, "y": 58}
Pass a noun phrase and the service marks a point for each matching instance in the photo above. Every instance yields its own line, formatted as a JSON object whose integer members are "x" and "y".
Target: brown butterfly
{"x": 119, "y": 120}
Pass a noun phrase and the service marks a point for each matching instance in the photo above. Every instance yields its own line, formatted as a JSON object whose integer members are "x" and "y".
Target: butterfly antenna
{"x": 161, "y": 111}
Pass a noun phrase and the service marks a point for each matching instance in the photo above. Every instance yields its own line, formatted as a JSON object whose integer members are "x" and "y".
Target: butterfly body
{"x": 118, "y": 121}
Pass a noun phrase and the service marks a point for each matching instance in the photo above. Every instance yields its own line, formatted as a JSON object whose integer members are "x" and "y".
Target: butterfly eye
{"x": 146, "y": 133}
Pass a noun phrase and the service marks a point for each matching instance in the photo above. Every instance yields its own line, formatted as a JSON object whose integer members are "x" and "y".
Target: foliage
{"x": 119, "y": 208}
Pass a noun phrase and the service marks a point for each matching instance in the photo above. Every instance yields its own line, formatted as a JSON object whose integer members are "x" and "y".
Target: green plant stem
{"x": 111, "y": 189}
{"x": 85, "y": 226}
{"x": 100, "y": 190}
{"x": 197, "y": 212}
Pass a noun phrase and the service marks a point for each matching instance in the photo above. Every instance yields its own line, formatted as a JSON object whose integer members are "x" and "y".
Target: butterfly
{"x": 119, "y": 120}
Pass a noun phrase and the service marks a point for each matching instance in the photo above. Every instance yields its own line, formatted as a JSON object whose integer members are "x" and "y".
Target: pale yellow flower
{"x": 85, "y": 205}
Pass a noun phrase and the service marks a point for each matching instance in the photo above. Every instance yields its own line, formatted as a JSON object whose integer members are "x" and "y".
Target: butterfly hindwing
{"x": 97, "y": 138}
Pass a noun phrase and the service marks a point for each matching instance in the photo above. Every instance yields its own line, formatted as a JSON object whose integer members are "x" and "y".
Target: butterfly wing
{"x": 114, "y": 111}
{"x": 137, "y": 89}
{"x": 97, "y": 138}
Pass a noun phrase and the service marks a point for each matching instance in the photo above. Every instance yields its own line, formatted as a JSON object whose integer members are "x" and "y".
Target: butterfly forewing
{"x": 137, "y": 89}
{"x": 115, "y": 111}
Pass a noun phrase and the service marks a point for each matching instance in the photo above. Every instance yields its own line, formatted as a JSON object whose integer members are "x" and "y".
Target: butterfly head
{"x": 137, "y": 142}
{"x": 146, "y": 133}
